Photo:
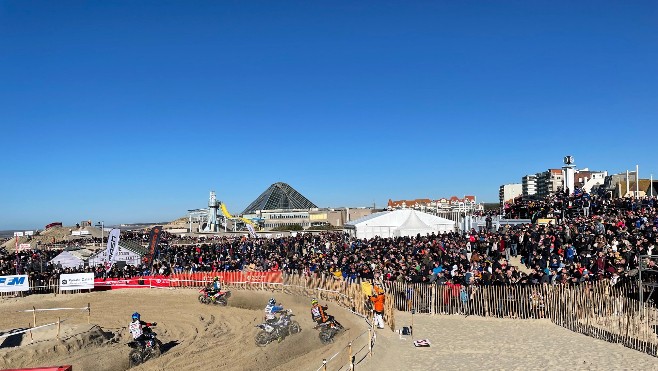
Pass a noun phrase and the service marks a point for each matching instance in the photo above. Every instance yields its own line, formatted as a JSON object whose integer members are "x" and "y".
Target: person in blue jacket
{"x": 270, "y": 315}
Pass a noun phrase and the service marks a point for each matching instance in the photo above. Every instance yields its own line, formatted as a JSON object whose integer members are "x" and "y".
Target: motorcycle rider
{"x": 140, "y": 330}
{"x": 270, "y": 315}
{"x": 319, "y": 315}
{"x": 214, "y": 288}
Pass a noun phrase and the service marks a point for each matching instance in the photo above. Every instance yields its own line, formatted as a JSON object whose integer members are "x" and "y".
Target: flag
{"x": 154, "y": 238}
{"x": 252, "y": 231}
{"x": 112, "y": 248}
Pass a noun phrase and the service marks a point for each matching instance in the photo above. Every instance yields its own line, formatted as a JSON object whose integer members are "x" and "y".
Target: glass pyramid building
{"x": 279, "y": 196}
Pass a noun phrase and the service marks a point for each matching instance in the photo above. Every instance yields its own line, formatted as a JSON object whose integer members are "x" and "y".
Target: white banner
{"x": 112, "y": 248}
{"x": 14, "y": 283}
{"x": 252, "y": 231}
{"x": 24, "y": 246}
{"x": 76, "y": 281}
{"x": 18, "y": 234}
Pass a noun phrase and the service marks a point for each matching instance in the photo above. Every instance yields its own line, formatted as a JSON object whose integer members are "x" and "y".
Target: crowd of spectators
{"x": 590, "y": 238}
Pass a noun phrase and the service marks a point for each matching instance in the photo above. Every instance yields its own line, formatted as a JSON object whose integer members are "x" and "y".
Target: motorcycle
{"x": 142, "y": 352}
{"x": 328, "y": 330}
{"x": 284, "y": 327}
{"x": 220, "y": 299}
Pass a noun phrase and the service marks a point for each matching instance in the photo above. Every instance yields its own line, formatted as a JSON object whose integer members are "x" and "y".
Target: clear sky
{"x": 132, "y": 111}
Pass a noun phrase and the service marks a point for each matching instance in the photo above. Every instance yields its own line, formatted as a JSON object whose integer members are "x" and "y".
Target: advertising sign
{"x": 14, "y": 283}
{"x": 24, "y": 246}
{"x": 76, "y": 281}
{"x": 112, "y": 248}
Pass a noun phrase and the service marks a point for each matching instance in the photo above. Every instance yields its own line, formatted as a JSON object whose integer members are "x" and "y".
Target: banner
{"x": 14, "y": 283}
{"x": 101, "y": 284}
{"x": 24, "y": 246}
{"x": 112, "y": 247}
{"x": 76, "y": 281}
{"x": 198, "y": 279}
{"x": 252, "y": 231}
{"x": 154, "y": 238}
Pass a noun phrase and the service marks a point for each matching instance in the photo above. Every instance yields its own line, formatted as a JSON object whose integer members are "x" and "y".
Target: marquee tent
{"x": 399, "y": 223}
{"x": 67, "y": 260}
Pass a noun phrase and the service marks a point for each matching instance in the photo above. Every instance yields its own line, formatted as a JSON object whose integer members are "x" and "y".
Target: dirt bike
{"x": 328, "y": 330}
{"x": 284, "y": 327}
{"x": 221, "y": 299}
{"x": 143, "y": 351}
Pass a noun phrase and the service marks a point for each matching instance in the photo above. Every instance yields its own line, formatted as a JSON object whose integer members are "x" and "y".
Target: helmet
{"x": 314, "y": 301}
{"x": 215, "y": 279}
{"x": 272, "y": 301}
{"x": 136, "y": 316}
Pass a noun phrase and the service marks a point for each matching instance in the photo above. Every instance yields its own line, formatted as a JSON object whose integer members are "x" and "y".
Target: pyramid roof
{"x": 279, "y": 196}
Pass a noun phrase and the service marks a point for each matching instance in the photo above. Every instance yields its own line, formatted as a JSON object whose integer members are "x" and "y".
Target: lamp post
{"x": 102, "y": 225}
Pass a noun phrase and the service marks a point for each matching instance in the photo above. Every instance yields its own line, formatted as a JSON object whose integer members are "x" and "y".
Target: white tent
{"x": 399, "y": 223}
{"x": 67, "y": 260}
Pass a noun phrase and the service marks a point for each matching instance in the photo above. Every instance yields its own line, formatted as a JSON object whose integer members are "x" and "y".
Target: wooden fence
{"x": 598, "y": 310}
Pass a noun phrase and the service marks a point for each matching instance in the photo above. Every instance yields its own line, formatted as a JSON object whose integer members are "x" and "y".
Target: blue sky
{"x": 132, "y": 111}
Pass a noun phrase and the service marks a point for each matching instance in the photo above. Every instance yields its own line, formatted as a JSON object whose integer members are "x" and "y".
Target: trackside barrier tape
{"x": 30, "y": 329}
{"x": 49, "y": 309}
{"x": 340, "y": 351}
{"x": 54, "y": 368}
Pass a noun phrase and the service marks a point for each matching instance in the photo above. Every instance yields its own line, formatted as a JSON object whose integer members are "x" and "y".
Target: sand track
{"x": 195, "y": 336}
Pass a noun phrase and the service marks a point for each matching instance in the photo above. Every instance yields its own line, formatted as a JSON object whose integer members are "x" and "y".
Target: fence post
{"x": 31, "y": 339}
{"x": 370, "y": 342}
{"x": 351, "y": 356}
{"x": 34, "y": 316}
{"x": 58, "y": 326}
{"x": 88, "y": 313}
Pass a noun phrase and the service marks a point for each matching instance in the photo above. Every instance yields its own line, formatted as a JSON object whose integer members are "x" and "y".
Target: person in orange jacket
{"x": 377, "y": 300}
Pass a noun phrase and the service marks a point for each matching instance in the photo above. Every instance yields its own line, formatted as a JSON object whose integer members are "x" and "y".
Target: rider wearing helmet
{"x": 319, "y": 315}
{"x": 317, "y": 312}
{"x": 271, "y": 310}
{"x": 270, "y": 314}
{"x": 139, "y": 329}
{"x": 214, "y": 288}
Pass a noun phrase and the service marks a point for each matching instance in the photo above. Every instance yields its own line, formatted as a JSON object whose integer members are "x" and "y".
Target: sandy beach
{"x": 203, "y": 337}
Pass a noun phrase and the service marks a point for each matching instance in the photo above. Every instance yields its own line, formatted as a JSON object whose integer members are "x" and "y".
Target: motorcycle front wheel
{"x": 294, "y": 327}
{"x": 135, "y": 357}
{"x": 262, "y": 338}
{"x": 202, "y": 299}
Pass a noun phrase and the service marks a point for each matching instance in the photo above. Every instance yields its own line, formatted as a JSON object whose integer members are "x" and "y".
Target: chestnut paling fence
{"x": 599, "y": 310}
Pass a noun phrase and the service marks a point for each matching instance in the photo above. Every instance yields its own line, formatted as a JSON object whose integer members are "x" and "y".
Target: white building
{"x": 509, "y": 192}
{"x": 529, "y": 185}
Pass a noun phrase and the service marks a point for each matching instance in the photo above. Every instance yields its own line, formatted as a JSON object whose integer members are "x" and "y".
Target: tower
{"x": 569, "y": 174}
{"x": 213, "y": 208}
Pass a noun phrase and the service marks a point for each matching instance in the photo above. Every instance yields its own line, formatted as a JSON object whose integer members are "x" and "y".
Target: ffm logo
{"x": 13, "y": 281}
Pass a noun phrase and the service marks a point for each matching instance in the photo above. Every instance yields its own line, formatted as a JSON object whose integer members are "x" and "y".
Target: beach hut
{"x": 399, "y": 223}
